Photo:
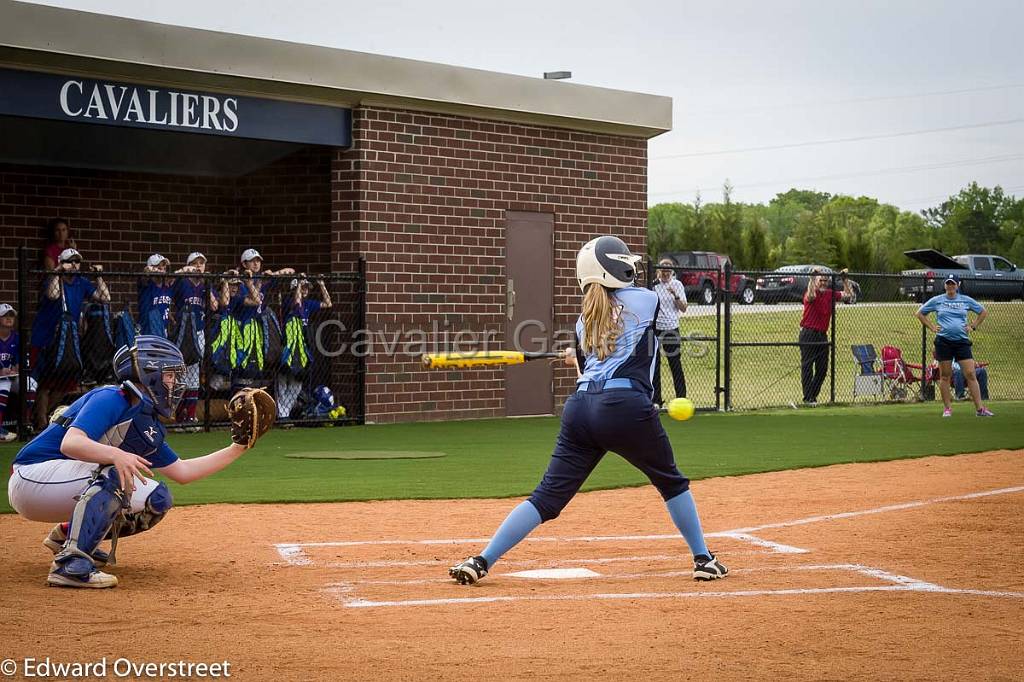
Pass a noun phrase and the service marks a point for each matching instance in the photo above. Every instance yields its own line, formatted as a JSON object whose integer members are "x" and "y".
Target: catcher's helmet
{"x": 324, "y": 398}
{"x": 606, "y": 261}
{"x": 141, "y": 367}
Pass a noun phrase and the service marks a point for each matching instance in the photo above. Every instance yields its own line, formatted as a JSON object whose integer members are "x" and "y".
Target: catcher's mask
{"x": 143, "y": 366}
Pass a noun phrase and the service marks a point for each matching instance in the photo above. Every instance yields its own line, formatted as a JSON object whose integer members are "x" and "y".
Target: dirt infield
{"x": 899, "y": 570}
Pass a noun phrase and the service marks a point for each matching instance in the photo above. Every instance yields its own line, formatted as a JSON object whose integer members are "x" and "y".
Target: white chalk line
{"x": 879, "y": 510}
{"x": 884, "y": 575}
{"x": 385, "y": 563}
{"x": 900, "y": 583}
{"x": 294, "y": 552}
{"x": 365, "y": 603}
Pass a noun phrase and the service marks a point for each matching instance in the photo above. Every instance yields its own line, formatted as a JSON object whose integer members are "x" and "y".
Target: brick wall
{"x": 422, "y": 197}
{"x": 284, "y": 211}
{"x": 428, "y": 199}
{"x": 119, "y": 218}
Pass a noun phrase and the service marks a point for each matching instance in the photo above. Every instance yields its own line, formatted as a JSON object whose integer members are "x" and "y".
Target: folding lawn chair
{"x": 899, "y": 375}
{"x": 868, "y": 379}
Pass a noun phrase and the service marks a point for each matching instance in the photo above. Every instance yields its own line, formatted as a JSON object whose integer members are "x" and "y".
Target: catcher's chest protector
{"x": 141, "y": 435}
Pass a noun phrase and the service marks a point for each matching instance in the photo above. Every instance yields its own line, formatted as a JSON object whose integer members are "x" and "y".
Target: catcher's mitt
{"x": 252, "y": 412}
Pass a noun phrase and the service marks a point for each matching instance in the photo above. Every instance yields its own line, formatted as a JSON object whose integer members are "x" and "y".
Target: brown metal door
{"x": 529, "y": 304}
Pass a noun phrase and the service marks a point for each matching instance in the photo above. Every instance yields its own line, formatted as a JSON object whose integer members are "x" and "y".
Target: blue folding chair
{"x": 868, "y": 378}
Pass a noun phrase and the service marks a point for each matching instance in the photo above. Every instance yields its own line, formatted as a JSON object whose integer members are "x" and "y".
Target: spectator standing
{"x": 58, "y": 238}
{"x": 10, "y": 366}
{"x": 671, "y": 304}
{"x": 298, "y": 356}
{"x": 190, "y": 336}
{"x": 64, "y": 288}
{"x": 952, "y": 342}
{"x": 248, "y": 308}
{"x": 814, "y": 326}
{"x": 156, "y": 295}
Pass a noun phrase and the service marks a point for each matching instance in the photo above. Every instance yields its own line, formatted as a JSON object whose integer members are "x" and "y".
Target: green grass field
{"x": 506, "y": 457}
{"x": 764, "y": 377}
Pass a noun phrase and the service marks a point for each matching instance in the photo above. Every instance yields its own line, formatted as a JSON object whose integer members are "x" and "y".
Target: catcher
{"x": 93, "y": 465}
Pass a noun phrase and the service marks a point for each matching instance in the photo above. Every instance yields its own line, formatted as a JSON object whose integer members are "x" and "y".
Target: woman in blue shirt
{"x": 952, "y": 341}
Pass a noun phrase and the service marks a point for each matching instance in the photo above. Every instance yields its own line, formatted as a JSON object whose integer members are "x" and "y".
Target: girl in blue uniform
{"x": 190, "y": 312}
{"x": 156, "y": 294}
{"x": 611, "y": 409}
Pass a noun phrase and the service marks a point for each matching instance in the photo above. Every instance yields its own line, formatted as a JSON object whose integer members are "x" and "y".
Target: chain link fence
{"x": 292, "y": 335}
{"x": 764, "y": 351}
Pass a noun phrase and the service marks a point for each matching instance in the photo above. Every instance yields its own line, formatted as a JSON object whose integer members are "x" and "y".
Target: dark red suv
{"x": 705, "y": 276}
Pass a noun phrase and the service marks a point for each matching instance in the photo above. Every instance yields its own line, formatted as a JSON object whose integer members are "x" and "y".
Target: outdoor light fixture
{"x": 557, "y": 75}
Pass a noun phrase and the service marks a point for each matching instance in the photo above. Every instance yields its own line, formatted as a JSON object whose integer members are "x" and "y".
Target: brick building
{"x": 466, "y": 192}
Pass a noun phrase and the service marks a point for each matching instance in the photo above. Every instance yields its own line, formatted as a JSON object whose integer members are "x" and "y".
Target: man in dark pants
{"x": 672, "y": 303}
{"x": 814, "y": 331}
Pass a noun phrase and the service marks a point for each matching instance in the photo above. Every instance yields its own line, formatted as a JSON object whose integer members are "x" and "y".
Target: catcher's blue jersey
{"x": 106, "y": 416}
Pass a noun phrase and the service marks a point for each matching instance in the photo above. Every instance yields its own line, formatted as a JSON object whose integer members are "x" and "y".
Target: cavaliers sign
{"x": 114, "y": 103}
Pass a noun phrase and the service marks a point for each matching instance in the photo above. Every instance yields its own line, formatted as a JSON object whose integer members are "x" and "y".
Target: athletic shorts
{"x": 946, "y": 350}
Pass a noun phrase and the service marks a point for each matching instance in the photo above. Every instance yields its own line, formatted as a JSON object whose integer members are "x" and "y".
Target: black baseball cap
{"x": 955, "y": 279}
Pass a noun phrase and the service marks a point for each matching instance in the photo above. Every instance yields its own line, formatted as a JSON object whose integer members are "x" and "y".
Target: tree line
{"x": 863, "y": 234}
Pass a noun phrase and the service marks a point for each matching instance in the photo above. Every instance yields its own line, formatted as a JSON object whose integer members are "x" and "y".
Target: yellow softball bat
{"x": 481, "y": 358}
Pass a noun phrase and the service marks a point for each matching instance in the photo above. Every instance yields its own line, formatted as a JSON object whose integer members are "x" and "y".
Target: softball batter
{"x": 616, "y": 347}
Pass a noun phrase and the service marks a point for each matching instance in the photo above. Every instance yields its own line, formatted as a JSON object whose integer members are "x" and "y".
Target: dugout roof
{"x": 73, "y": 42}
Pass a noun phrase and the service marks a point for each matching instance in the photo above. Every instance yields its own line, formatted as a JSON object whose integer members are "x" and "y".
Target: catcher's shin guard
{"x": 157, "y": 505}
{"x": 55, "y": 543}
{"x": 95, "y": 514}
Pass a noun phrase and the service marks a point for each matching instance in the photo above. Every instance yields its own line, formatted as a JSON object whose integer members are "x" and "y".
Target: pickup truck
{"x": 981, "y": 276}
{"x": 705, "y": 276}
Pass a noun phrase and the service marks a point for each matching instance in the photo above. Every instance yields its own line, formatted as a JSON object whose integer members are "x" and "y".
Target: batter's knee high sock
{"x": 683, "y": 511}
{"x": 516, "y": 526}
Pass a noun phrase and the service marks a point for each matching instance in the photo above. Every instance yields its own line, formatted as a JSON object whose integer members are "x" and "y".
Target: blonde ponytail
{"x": 601, "y": 323}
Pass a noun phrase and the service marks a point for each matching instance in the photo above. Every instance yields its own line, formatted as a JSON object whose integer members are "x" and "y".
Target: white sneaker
{"x": 70, "y": 575}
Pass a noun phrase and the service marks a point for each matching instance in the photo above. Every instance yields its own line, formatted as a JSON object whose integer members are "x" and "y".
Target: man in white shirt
{"x": 672, "y": 299}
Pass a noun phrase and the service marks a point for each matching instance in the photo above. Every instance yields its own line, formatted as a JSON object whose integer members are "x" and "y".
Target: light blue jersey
{"x": 636, "y": 348}
{"x": 951, "y": 314}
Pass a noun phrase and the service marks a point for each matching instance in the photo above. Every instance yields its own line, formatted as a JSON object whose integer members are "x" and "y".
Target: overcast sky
{"x": 742, "y": 75}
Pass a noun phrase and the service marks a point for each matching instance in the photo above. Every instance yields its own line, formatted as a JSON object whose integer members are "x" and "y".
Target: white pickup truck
{"x": 981, "y": 276}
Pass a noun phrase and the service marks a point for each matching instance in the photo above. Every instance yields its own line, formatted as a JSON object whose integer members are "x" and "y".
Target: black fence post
{"x": 832, "y": 341}
{"x": 23, "y": 351}
{"x": 210, "y": 283}
{"x": 649, "y": 272}
{"x": 360, "y": 329}
{"x": 724, "y": 298}
{"x": 719, "y": 389}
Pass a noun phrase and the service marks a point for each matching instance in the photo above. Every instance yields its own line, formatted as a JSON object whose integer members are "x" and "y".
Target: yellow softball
{"x": 680, "y": 408}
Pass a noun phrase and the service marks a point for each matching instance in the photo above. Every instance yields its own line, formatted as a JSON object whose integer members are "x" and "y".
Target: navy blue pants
{"x": 623, "y": 421}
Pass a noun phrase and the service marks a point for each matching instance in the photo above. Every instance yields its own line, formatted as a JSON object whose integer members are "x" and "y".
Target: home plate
{"x": 555, "y": 573}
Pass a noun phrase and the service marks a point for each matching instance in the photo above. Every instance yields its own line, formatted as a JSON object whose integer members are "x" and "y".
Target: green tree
{"x": 756, "y": 253}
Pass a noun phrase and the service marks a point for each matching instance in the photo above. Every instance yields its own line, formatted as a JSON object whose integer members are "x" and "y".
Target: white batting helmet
{"x": 606, "y": 261}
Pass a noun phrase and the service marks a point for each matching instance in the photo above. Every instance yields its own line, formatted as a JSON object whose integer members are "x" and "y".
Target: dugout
{"x": 466, "y": 193}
